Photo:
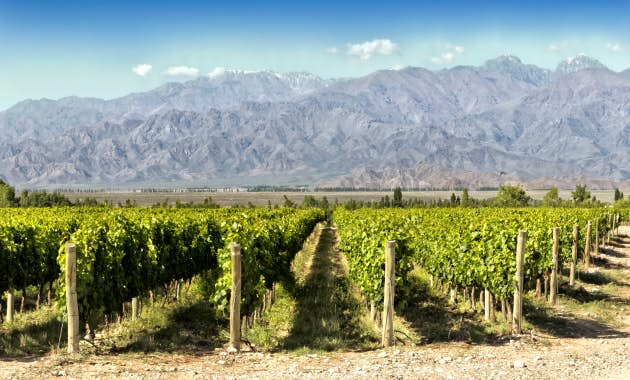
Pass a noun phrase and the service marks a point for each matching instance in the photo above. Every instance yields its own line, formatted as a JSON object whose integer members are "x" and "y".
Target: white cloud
{"x": 182, "y": 71}
{"x": 553, "y": 47}
{"x": 397, "y": 67}
{"x": 142, "y": 69}
{"x": 614, "y": 47}
{"x": 448, "y": 56}
{"x": 332, "y": 50}
{"x": 217, "y": 71}
{"x": 367, "y": 49}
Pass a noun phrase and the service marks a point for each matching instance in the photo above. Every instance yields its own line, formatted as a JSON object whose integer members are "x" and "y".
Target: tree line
{"x": 507, "y": 196}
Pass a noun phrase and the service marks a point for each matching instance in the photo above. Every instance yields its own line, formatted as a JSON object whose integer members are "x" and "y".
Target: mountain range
{"x": 502, "y": 122}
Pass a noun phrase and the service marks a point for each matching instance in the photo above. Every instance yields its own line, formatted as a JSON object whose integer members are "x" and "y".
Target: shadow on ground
{"x": 192, "y": 327}
{"x": 34, "y": 337}
{"x": 435, "y": 320}
{"x": 595, "y": 278}
{"x": 549, "y": 321}
{"x": 611, "y": 252}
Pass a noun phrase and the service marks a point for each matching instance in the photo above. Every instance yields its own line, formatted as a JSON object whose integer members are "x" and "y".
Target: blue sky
{"x": 89, "y": 48}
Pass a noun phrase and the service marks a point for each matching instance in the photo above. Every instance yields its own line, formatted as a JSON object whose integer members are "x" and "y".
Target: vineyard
{"x": 464, "y": 249}
{"x": 126, "y": 253}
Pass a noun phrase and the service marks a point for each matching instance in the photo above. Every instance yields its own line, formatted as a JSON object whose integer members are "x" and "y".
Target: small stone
{"x": 518, "y": 364}
{"x": 232, "y": 350}
{"x": 382, "y": 355}
{"x": 444, "y": 360}
{"x": 222, "y": 362}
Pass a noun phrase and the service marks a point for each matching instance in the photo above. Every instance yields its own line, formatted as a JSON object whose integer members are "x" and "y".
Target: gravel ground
{"x": 516, "y": 359}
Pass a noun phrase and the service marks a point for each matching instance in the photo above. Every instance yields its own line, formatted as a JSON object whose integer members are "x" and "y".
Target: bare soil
{"x": 588, "y": 337}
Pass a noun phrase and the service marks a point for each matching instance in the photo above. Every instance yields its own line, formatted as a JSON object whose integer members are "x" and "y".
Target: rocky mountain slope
{"x": 478, "y": 126}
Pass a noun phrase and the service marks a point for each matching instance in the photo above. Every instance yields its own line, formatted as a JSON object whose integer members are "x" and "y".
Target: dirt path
{"x": 599, "y": 312}
{"x": 327, "y": 314}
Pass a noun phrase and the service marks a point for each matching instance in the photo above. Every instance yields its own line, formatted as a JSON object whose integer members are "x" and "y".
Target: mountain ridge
{"x": 503, "y": 116}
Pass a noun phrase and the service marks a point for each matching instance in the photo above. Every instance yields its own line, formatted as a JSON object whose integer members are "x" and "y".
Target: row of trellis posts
{"x": 517, "y": 312}
{"x": 388, "y": 307}
{"x": 73, "y": 308}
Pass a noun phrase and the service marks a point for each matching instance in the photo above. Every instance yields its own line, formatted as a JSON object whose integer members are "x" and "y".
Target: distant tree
{"x": 351, "y": 204}
{"x": 580, "y": 195}
{"x": 397, "y": 202}
{"x": 7, "y": 195}
{"x": 288, "y": 202}
{"x": 465, "y": 202}
{"x": 91, "y": 202}
{"x": 512, "y": 196}
{"x": 309, "y": 201}
{"x": 387, "y": 202}
{"x": 453, "y": 199}
{"x": 618, "y": 195}
{"x": 552, "y": 199}
{"x": 42, "y": 199}
{"x": 209, "y": 203}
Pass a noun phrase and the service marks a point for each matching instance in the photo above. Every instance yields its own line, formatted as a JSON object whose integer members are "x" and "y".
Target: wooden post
{"x": 373, "y": 311}
{"x": 235, "y": 299}
{"x": 10, "y": 305}
{"x": 587, "y": 247}
{"x": 553, "y": 289}
{"x": 71, "y": 298}
{"x": 388, "y": 307}
{"x": 487, "y": 305}
{"x": 134, "y": 308}
{"x": 493, "y": 317}
{"x": 49, "y": 295}
{"x": 22, "y": 301}
{"x": 609, "y": 234}
{"x": 518, "y": 291}
{"x": 596, "y": 251}
{"x": 574, "y": 255}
